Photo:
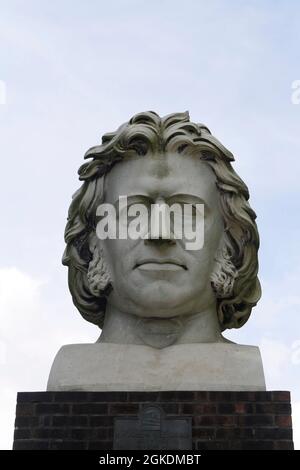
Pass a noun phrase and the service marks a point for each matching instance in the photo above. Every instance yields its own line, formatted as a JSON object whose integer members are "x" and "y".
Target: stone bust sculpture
{"x": 162, "y": 308}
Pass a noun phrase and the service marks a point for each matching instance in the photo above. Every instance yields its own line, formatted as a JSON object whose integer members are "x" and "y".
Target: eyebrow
{"x": 133, "y": 197}
{"x": 189, "y": 197}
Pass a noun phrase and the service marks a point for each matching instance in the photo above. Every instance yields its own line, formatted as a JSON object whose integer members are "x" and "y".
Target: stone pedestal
{"x": 91, "y": 420}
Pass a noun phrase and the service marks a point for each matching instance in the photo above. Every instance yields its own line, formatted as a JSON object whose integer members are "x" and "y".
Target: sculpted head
{"x": 170, "y": 160}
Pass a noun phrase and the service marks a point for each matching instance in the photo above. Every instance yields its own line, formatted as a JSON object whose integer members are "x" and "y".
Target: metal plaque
{"x": 152, "y": 430}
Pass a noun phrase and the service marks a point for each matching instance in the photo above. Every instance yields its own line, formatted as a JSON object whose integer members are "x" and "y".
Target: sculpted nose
{"x": 160, "y": 231}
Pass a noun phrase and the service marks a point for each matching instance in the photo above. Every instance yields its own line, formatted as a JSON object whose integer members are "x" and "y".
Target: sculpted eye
{"x": 192, "y": 209}
{"x": 181, "y": 148}
{"x": 139, "y": 146}
{"x": 138, "y": 206}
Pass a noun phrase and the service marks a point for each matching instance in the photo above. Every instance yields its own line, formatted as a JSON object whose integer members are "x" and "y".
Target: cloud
{"x": 276, "y": 358}
{"x": 29, "y": 339}
{"x": 20, "y": 305}
{"x": 89, "y": 72}
{"x": 280, "y": 300}
{"x": 19, "y": 300}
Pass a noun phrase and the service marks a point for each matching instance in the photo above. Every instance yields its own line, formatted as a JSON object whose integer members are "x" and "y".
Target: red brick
{"x": 209, "y": 408}
{"x": 245, "y": 396}
{"x": 90, "y": 409}
{"x": 222, "y": 397}
{"x": 100, "y": 445}
{"x": 226, "y": 408}
{"x": 25, "y": 409}
{"x": 243, "y": 408}
{"x": 67, "y": 445}
{"x": 27, "y": 421}
{"x": 284, "y": 421}
{"x": 282, "y": 408}
{"x": 284, "y": 445}
{"x": 30, "y": 444}
{"x": 258, "y": 445}
{"x": 191, "y": 409}
{"x": 281, "y": 396}
{"x": 255, "y": 420}
{"x": 204, "y": 433}
{"x": 123, "y": 408}
{"x": 201, "y": 396}
{"x": 104, "y": 397}
{"x": 35, "y": 397}
{"x": 205, "y": 420}
{"x": 264, "y": 408}
{"x": 212, "y": 445}
{"x": 225, "y": 420}
{"x": 52, "y": 408}
{"x": 101, "y": 421}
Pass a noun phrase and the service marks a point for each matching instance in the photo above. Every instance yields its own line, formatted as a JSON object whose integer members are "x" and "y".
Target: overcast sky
{"x": 71, "y": 71}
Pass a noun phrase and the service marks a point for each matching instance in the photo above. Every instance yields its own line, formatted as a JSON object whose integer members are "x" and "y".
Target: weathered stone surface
{"x": 161, "y": 299}
{"x": 132, "y": 367}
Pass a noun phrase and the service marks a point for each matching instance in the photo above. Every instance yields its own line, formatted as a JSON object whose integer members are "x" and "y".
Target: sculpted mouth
{"x": 160, "y": 264}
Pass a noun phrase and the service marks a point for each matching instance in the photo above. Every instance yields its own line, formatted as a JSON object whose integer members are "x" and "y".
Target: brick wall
{"x": 221, "y": 420}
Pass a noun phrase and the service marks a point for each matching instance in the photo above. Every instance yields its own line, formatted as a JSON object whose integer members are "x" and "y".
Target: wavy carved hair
{"x": 235, "y": 281}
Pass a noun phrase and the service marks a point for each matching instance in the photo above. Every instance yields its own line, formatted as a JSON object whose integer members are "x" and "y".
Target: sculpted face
{"x": 159, "y": 277}
{"x": 120, "y": 284}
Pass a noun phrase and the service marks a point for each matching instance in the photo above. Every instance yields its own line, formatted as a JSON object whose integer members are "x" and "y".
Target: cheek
{"x": 200, "y": 264}
{"x": 202, "y": 261}
{"x": 117, "y": 255}
{"x": 110, "y": 252}
{"x": 212, "y": 235}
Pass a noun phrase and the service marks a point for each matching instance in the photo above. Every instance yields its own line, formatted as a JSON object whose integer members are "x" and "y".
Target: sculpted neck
{"x": 125, "y": 328}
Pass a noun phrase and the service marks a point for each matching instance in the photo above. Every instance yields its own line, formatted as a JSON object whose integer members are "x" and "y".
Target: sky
{"x": 71, "y": 71}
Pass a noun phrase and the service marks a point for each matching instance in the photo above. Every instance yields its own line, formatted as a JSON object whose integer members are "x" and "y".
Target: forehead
{"x": 162, "y": 175}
